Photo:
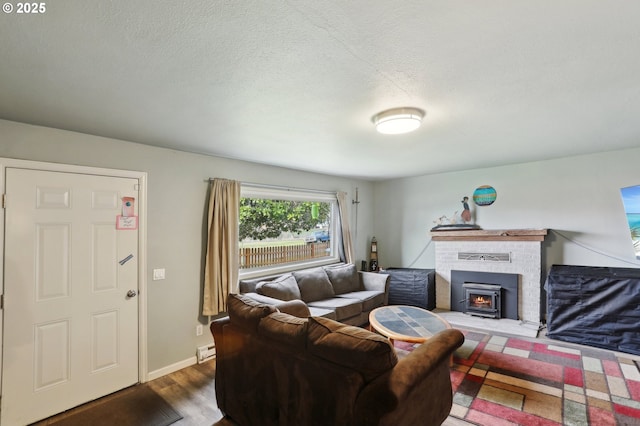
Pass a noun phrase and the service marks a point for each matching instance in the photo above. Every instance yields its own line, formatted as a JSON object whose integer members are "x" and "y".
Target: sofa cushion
{"x": 283, "y": 288}
{"x": 319, "y": 327}
{"x": 265, "y": 300}
{"x": 245, "y": 312}
{"x": 370, "y": 299}
{"x": 368, "y": 353}
{"x": 321, "y": 312}
{"x": 343, "y": 307}
{"x": 314, "y": 284}
{"x": 249, "y": 286}
{"x": 358, "y": 320}
{"x": 284, "y": 328}
{"x": 344, "y": 278}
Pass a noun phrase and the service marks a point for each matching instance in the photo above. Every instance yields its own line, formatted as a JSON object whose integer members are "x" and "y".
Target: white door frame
{"x": 5, "y": 163}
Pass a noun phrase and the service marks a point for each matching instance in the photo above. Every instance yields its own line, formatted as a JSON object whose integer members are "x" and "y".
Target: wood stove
{"x": 482, "y": 299}
{"x": 508, "y": 284}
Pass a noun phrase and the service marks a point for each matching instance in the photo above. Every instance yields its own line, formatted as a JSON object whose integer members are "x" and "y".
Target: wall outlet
{"x": 199, "y": 330}
{"x": 158, "y": 274}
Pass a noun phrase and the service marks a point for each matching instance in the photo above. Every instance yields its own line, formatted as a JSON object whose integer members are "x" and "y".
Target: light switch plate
{"x": 158, "y": 274}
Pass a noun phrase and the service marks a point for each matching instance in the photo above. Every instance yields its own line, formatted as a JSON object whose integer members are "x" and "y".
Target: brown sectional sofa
{"x": 273, "y": 368}
{"x": 339, "y": 292}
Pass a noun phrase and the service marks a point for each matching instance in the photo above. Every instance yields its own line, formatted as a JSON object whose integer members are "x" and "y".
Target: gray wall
{"x": 577, "y": 196}
{"x": 176, "y": 217}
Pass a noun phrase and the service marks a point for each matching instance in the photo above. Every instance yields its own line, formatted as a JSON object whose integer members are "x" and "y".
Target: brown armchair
{"x": 277, "y": 369}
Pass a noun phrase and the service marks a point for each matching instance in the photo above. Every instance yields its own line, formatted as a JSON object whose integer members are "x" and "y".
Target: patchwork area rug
{"x": 501, "y": 380}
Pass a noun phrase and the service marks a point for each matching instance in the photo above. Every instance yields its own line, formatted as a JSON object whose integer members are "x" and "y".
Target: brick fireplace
{"x": 514, "y": 251}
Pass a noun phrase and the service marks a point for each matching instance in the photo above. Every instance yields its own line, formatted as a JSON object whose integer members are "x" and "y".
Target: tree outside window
{"x": 279, "y": 232}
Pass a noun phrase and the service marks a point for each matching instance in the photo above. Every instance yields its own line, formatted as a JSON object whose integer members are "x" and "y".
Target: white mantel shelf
{"x": 490, "y": 235}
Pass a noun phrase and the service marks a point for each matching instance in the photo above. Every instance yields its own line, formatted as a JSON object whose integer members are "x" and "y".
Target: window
{"x": 285, "y": 229}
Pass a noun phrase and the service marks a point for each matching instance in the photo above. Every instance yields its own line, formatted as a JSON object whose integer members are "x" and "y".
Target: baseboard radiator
{"x": 206, "y": 353}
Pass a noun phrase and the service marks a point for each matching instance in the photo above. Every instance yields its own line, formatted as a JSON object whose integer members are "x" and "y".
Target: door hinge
{"x": 4, "y": 201}
{"x": 1, "y": 301}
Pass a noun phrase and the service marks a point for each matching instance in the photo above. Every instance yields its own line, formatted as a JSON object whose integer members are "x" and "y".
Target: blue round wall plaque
{"x": 484, "y": 195}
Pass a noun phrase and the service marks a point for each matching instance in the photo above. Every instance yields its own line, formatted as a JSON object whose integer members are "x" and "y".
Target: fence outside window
{"x": 256, "y": 257}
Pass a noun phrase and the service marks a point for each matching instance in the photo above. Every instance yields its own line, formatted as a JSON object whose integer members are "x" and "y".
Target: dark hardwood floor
{"x": 189, "y": 391}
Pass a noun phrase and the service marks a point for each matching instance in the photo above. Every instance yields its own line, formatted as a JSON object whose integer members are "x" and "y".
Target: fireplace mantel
{"x": 490, "y": 235}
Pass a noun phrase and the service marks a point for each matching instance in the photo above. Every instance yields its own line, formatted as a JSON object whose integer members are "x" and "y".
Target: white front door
{"x": 70, "y": 312}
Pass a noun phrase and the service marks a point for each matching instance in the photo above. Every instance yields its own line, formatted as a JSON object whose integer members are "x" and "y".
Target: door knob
{"x": 132, "y": 293}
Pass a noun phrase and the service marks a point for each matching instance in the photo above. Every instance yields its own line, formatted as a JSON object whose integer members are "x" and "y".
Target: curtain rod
{"x": 281, "y": 187}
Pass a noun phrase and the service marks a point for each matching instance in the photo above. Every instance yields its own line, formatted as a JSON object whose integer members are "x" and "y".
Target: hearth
{"x": 483, "y": 300}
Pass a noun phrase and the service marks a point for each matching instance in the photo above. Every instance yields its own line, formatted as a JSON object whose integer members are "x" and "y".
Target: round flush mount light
{"x": 398, "y": 120}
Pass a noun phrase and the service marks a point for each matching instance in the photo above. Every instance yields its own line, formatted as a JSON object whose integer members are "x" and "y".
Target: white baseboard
{"x": 172, "y": 368}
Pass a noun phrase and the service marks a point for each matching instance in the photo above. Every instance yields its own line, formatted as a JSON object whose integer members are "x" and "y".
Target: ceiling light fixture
{"x": 398, "y": 120}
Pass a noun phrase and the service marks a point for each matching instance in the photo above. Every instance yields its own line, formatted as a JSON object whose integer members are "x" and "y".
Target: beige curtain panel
{"x": 221, "y": 266}
{"x": 344, "y": 224}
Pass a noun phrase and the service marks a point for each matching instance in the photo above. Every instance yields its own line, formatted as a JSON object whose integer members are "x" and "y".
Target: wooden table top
{"x": 406, "y": 323}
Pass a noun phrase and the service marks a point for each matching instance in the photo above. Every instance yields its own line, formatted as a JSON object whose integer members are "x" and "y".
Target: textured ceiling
{"x": 295, "y": 83}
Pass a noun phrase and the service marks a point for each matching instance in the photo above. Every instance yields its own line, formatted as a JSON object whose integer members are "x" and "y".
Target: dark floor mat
{"x": 138, "y": 406}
